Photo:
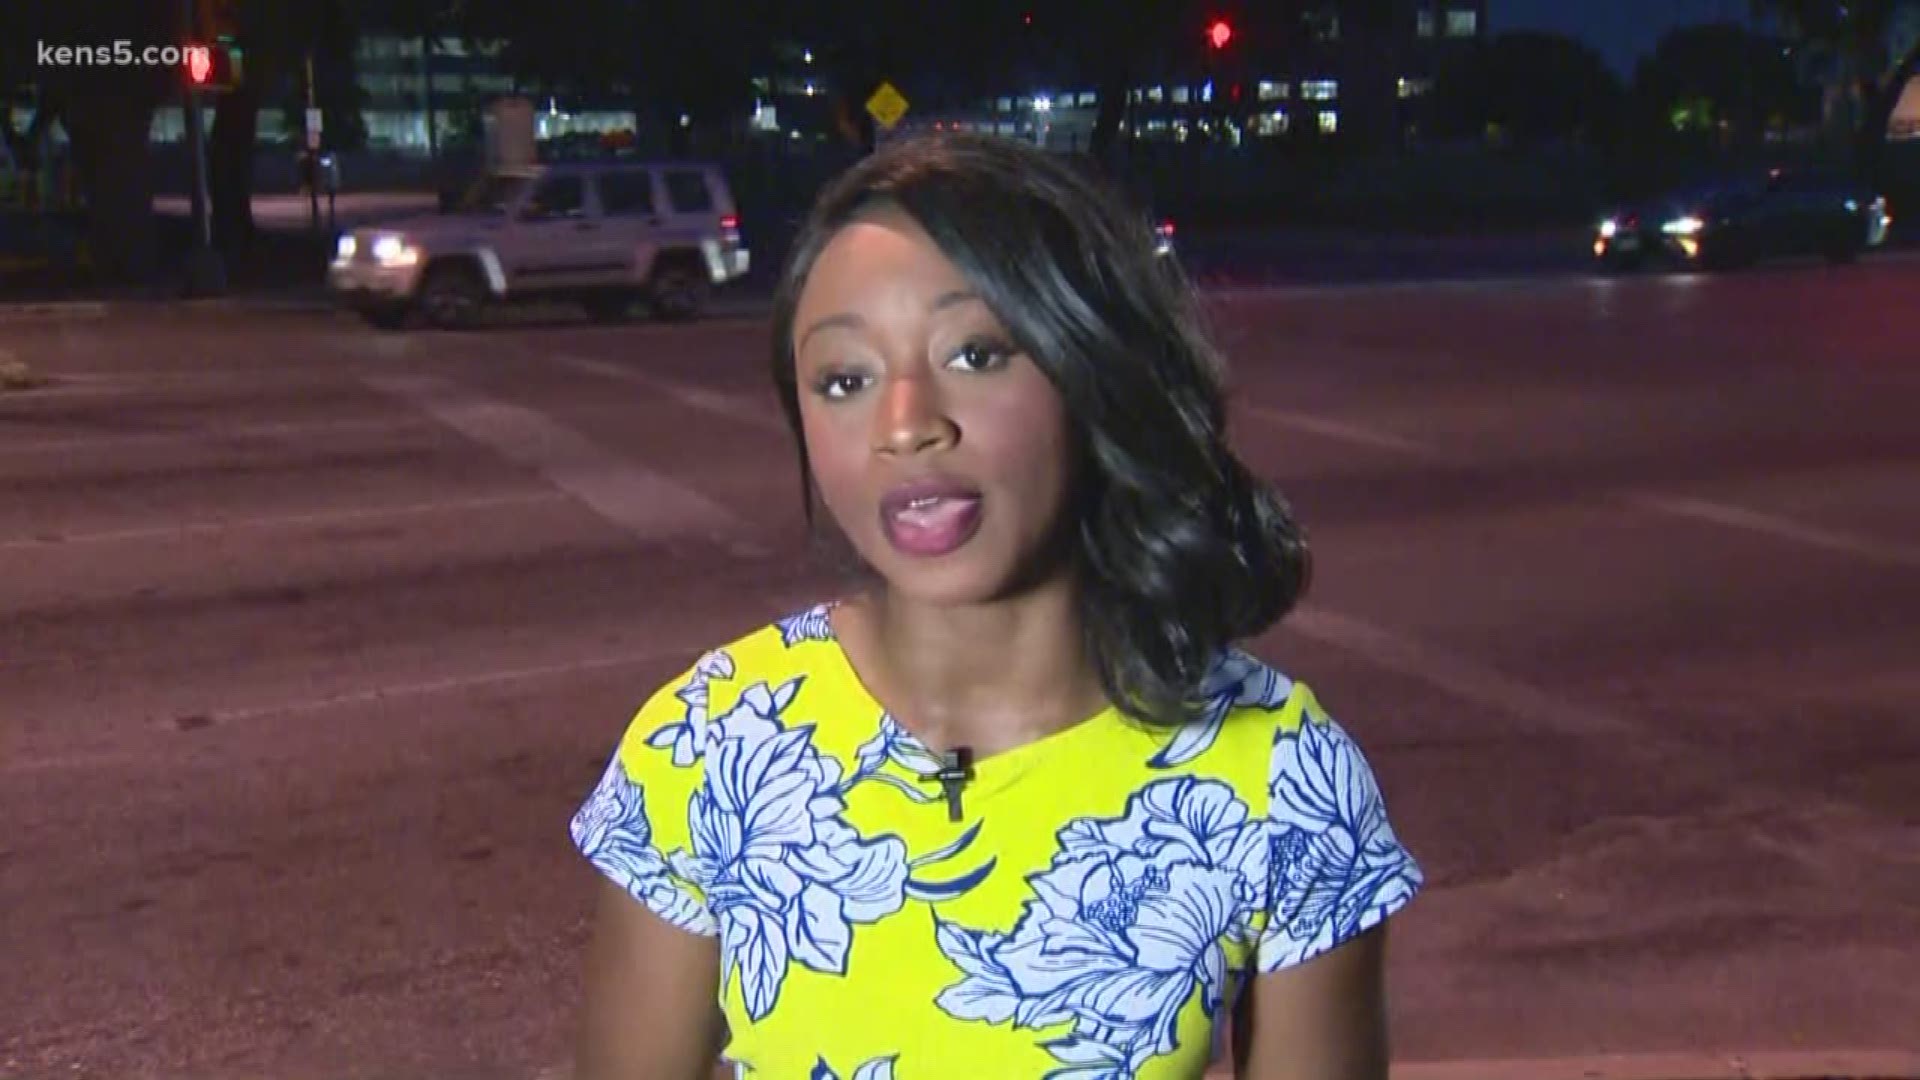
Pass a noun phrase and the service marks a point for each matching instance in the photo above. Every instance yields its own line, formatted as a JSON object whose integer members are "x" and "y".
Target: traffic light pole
{"x": 313, "y": 152}
{"x": 204, "y": 272}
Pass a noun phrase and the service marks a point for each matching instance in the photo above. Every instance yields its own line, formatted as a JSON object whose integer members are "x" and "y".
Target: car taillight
{"x": 1166, "y": 228}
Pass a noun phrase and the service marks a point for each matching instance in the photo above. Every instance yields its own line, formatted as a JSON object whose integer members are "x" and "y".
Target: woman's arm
{"x": 1325, "y": 1019}
{"x": 652, "y": 990}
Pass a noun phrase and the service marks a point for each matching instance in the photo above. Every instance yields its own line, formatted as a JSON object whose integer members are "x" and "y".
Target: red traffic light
{"x": 214, "y": 67}
{"x": 199, "y": 65}
{"x": 1219, "y": 32}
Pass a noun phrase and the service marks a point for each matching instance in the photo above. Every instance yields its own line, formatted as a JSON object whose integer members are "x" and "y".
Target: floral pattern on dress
{"x": 780, "y": 875}
{"x": 880, "y": 1068}
{"x": 1337, "y": 868}
{"x": 1129, "y": 921}
{"x": 613, "y": 831}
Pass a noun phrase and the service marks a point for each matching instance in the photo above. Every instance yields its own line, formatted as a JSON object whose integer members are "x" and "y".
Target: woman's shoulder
{"x": 1261, "y": 727}
{"x": 769, "y": 660}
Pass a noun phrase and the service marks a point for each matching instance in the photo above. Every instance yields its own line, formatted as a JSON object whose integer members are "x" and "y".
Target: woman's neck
{"x": 989, "y": 676}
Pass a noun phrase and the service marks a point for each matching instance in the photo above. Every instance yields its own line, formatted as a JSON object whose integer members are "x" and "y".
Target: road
{"x": 312, "y": 637}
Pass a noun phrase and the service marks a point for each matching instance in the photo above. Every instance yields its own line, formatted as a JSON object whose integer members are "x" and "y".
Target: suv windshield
{"x": 491, "y": 194}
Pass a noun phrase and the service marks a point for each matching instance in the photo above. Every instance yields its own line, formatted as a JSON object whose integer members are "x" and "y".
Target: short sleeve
{"x": 634, "y": 826}
{"x": 1336, "y": 869}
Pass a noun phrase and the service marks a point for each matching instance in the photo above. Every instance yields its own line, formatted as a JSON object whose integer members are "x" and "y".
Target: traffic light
{"x": 1219, "y": 33}
{"x": 213, "y": 68}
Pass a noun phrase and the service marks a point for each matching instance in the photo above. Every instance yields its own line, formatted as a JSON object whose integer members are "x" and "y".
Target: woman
{"x": 1019, "y": 807}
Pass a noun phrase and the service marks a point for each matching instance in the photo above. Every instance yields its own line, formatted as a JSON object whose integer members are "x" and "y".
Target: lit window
{"x": 1320, "y": 89}
{"x": 1084, "y": 98}
{"x": 1272, "y": 91}
{"x": 1179, "y": 95}
{"x": 1271, "y": 124}
{"x": 1424, "y": 23}
{"x": 1206, "y": 91}
{"x": 1156, "y": 93}
{"x": 1463, "y": 23}
{"x": 1329, "y": 121}
{"x": 1412, "y": 88}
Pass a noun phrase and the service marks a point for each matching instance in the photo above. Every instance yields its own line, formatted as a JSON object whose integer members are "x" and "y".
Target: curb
{"x": 53, "y": 310}
{"x": 1771, "y": 1065}
{"x": 754, "y": 306}
{"x": 1783, "y": 1065}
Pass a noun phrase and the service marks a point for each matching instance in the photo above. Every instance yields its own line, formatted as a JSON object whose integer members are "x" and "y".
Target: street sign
{"x": 887, "y": 105}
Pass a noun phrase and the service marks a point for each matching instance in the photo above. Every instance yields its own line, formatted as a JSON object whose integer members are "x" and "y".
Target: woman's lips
{"x": 931, "y": 517}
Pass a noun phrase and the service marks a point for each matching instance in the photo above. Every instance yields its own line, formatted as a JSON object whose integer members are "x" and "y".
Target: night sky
{"x": 1622, "y": 30}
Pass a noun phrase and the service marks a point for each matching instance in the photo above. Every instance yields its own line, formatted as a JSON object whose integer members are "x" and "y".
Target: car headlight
{"x": 344, "y": 249}
{"x": 1609, "y": 229}
{"x": 1687, "y": 225}
{"x": 394, "y": 251}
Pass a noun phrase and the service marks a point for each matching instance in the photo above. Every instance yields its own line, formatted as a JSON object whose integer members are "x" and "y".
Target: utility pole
{"x": 313, "y": 149}
{"x": 205, "y": 273}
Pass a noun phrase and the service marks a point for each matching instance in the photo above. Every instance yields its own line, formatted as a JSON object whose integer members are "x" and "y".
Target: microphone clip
{"x": 956, "y": 768}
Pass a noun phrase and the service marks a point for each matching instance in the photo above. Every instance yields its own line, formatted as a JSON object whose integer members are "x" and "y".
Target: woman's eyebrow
{"x": 847, "y": 320}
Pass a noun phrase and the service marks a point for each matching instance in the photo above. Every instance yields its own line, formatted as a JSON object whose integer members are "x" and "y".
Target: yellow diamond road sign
{"x": 886, "y": 105}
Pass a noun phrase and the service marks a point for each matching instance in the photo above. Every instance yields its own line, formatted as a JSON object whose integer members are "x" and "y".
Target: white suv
{"x": 602, "y": 233}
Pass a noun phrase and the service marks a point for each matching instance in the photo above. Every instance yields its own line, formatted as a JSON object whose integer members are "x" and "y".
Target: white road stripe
{"x": 646, "y": 503}
{"x": 290, "y": 430}
{"x": 1701, "y": 510}
{"x": 719, "y": 403}
{"x": 1342, "y": 431}
{"x": 451, "y": 684}
{"x": 347, "y": 699}
{"x": 1779, "y": 528}
{"x": 1466, "y": 679}
{"x": 282, "y": 521}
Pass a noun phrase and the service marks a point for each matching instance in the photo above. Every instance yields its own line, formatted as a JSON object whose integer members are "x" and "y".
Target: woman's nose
{"x": 911, "y": 419}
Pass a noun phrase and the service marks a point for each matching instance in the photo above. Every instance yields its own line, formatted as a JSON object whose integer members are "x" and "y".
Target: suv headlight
{"x": 1686, "y": 225}
{"x": 344, "y": 248}
{"x": 394, "y": 251}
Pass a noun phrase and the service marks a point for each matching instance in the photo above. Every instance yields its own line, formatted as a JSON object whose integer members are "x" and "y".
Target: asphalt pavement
{"x": 312, "y": 637}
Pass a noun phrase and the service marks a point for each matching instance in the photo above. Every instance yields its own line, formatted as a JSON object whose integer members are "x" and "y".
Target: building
{"x": 1316, "y": 72}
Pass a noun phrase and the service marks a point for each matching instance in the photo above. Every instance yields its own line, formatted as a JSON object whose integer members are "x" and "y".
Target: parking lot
{"x": 312, "y": 636}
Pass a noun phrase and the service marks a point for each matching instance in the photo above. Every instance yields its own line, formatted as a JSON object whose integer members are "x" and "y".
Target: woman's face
{"x": 940, "y": 449}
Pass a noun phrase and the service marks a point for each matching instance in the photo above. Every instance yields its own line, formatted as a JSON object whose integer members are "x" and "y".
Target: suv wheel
{"x": 452, "y": 295}
{"x": 679, "y": 290}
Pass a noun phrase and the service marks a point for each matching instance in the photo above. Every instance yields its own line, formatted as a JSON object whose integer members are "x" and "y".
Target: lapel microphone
{"x": 956, "y": 768}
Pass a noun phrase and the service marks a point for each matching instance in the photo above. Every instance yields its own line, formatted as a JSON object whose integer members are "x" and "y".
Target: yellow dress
{"x": 1091, "y": 914}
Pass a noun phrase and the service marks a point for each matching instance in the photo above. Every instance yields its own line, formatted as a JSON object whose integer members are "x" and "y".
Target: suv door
{"x": 550, "y": 243}
{"x": 630, "y": 219}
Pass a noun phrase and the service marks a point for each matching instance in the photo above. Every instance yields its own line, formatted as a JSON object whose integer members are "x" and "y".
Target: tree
{"x": 107, "y": 113}
{"x": 276, "y": 39}
{"x": 1720, "y": 81}
{"x": 1867, "y": 50}
{"x": 1529, "y": 87}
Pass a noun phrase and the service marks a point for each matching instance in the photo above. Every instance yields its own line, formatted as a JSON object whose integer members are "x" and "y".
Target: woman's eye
{"x": 976, "y": 356}
{"x": 838, "y": 384}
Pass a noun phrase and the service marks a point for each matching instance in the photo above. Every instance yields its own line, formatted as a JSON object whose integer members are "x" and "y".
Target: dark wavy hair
{"x": 1181, "y": 551}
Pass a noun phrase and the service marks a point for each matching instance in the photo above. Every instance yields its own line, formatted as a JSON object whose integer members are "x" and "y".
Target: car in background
{"x": 1739, "y": 221}
{"x": 604, "y": 234}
